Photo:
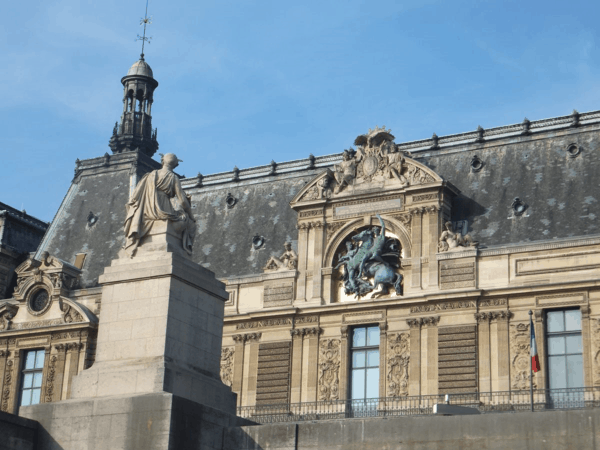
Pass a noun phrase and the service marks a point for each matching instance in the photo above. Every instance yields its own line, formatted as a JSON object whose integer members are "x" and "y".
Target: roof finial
{"x": 145, "y": 21}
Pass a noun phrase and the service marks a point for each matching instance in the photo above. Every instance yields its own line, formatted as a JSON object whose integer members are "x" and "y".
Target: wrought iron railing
{"x": 485, "y": 402}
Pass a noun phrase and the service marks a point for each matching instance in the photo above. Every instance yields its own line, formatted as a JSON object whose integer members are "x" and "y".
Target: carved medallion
{"x": 370, "y": 166}
{"x": 39, "y": 302}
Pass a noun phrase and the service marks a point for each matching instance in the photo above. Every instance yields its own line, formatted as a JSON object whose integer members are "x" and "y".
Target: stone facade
{"x": 474, "y": 230}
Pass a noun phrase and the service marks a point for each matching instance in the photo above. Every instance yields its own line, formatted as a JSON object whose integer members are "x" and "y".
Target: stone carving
{"x": 70, "y": 314}
{"x": 371, "y": 259}
{"x": 332, "y": 228}
{"x": 329, "y": 369}
{"x": 264, "y": 323}
{"x": 493, "y": 302}
{"x": 397, "y": 365}
{"x": 442, "y": 306}
{"x": 6, "y": 319}
{"x": 451, "y": 241}
{"x": 596, "y": 350}
{"x": 424, "y": 321}
{"x": 345, "y": 172}
{"x": 151, "y": 202}
{"x": 50, "y": 378}
{"x": 306, "y": 319}
{"x": 7, "y": 384}
{"x": 247, "y": 337}
{"x": 299, "y": 332}
{"x": 227, "y": 366}
{"x": 287, "y": 261}
{"x": 520, "y": 356}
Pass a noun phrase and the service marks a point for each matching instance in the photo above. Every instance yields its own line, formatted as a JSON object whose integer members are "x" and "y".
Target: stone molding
{"x": 493, "y": 315}
{"x": 443, "y": 306}
{"x": 423, "y": 321}
{"x": 264, "y": 323}
{"x": 248, "y": 337}
{"x": 299, "y": 332}
{"x": 493, "y": 302}
{"x": 544, "y": 245}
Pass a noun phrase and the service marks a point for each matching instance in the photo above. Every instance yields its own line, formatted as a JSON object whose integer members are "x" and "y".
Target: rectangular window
{"x": 565, "y": 351}
{"x": 365, "y": 363}
{"x": 31, "y": 380}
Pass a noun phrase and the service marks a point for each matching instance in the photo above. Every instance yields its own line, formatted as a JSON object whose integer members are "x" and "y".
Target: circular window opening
{"x": 258, "y": 242}
{"x": 518, "y": 206}
{"x": 230, "y": 200}
{"x": 573, "y": 150}
{"x": 39, "y": 301}
{"x": 476, "y": 164}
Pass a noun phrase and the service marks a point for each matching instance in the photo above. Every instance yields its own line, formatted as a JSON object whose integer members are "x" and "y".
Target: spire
{"x": 134, "y": 131}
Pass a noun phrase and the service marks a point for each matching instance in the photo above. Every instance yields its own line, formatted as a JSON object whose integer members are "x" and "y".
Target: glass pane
{"x": 26, "y": 397}
{"x": 358, "y": 384}
{"x": 373, "y": 336}
{"x": 573, "y": 320}
{"x": 358, "y": 337}
{"x": 555, "y": 321}
{"x": 27, "y": 380}
{"x": 30, "y": 360}
{"x": 37, "y": 379}
{"x": 373, "y": 358}
{"x": 35, "y": 396}
{"x": 39, "y": 360}
{"x": 372, "y": 383}
{"x": 556, "y": 370}
{"x": 556, "y": 345}
{"x": 575, "y": 371}
{"x": 574, "y": 344}
{"x": 358, "y": 359}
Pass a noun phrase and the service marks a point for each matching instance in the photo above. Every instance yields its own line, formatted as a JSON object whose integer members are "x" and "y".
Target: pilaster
{"x": 344, "y": 362}
{"x": 302, "y": 260}
{"x": 238, "y": 367}
{"x": 417, "y": 238}
{"x": 431, "y": 368}
{"x": 485, "y": 356}
{"x": 501, "y": 320}
{"x": 414, "y": 378}
{"x": 313, "y": 361}
{"x": 588, "y": 378}
{"x": 434, "y": 233}
{"x": 55, "y": 392}
{"x": 382, "y": 359}
{"x": 245, "y": 368}
{"x": 296, "y": 375}
{"x": 319, "y": 240}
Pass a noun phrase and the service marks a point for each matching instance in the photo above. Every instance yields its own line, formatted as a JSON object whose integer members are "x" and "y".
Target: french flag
{"x": 535, "y": 360}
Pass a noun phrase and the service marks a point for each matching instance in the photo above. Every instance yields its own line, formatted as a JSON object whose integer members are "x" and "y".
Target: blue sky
{"x": 242, "y": 83}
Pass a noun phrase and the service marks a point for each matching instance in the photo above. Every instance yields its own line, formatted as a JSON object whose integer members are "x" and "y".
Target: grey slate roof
{"x": 529, "y": 161}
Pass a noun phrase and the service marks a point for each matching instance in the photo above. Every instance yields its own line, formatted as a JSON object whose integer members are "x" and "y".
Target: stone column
{"x": 296, "y": 375}
{"x": 238, "y": 366}
{"x": 586, "y": 338}
{"x": 55, "y": 391}
{"x": 327, "y": 275}
{"x": 344, "y": 363}
{"x": 485, "y": 356}
{"x": 434, "y": 234}
{"x": 417, "y": 237}
{"x": 73, "y": 356}
{"x": 382, "y": 358}
{"x": 431, "y": 369}
{"x": 313, "y": 363}
{"x": 319, "y": 240}
{"x": 302, "y": 260}
{"x": 414, "y": 378}
{"x": 252, "y": 374}
{"x": 503, "y": 353}
{"x": 4, "y": 354}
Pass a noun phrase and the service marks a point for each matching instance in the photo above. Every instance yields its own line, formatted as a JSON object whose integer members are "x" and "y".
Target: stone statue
{"x": 395, "y": 160}
{"x": 151, "y": 202}
{"x": 345, "y": 172}
{"x": 367, "y": 260}
{"x": 287, "y": 261}
{"x": 451, "y": 241}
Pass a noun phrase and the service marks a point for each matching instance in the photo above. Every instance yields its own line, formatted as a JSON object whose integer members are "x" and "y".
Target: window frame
{"x": 548, "y": 334}
{"x": 23, "y": 372}
{"x": 366, "y": 348}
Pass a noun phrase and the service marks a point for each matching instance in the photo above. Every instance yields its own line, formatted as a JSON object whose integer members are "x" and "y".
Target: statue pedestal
{"x": 159, "y": 345}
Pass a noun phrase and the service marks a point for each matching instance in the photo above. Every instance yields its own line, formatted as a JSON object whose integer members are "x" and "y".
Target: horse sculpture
{"x": 367, "y": 260}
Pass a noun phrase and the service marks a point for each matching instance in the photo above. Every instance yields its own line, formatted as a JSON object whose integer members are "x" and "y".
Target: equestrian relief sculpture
{"x": 151, "y": 202}
{"x": 374, "y": 256}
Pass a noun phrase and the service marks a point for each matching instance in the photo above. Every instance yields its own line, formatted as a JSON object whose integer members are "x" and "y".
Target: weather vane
{"x": 144, "y": 21}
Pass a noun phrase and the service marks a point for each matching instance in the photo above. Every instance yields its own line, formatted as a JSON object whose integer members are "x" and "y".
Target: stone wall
{"x": 551, "y": 430}
{"x": 17, "y": 433}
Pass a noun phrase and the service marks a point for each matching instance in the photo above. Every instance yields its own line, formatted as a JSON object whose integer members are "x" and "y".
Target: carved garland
{"x": 520, "y": 356}
{"x": 596, "y": 350}
{"x": 399, "y": 357}
{"x": 50, "y": 378}
{"x": 7, "y": 385}
{"x": 227, "y": 366}
{"x": 329, "y": 369}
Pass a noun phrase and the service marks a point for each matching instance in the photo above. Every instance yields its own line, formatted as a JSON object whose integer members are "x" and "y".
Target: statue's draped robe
{"x": 150, "y": 202}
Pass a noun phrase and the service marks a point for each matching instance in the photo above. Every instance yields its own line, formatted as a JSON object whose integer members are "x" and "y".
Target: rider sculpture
{"x": 366, "y": 261}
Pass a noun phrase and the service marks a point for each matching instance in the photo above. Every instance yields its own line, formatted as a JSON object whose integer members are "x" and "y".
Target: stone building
{"x": 386, "y": 270}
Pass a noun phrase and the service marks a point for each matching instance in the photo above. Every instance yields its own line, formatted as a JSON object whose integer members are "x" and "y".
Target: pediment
{"x": 376, "y": 164}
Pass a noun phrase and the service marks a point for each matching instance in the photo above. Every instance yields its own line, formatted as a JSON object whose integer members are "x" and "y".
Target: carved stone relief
{"x": 50, "y": 378}
{"x": 287, "y": 261}
{"x": 227, "y": 366}
{"x": 452, "y": 241}
{"x": 6, "y": 320}
{"x": 70, "y": 314}
{"x": 8, "y": 378}
{"x": 397, "y": 364}
{"x": 596, "y": 350}
{"x": 520, "y": 356}
{"x": 247, "y": 337}
{"x": 329, "y": 369}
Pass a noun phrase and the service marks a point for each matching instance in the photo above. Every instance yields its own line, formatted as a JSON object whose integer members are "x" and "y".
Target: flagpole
{"x": 530, "y": 365}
